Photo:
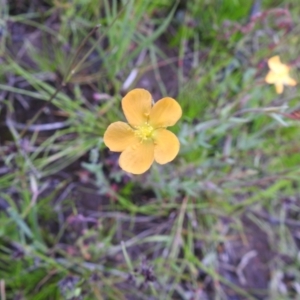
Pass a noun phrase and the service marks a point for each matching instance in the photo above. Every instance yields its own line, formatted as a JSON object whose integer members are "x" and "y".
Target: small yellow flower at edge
{"x": 145, "y": 137}
{"x": 279, "y": 74}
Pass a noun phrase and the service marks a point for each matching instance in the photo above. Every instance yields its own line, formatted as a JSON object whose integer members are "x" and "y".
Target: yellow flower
{"x": 145, "y": 138}
{"x": 279, "y": 74}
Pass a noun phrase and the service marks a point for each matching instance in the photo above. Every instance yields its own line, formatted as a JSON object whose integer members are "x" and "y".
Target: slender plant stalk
{"x": 73, "y": 70}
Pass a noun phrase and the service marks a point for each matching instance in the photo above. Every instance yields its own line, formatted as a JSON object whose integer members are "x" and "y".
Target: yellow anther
{"x": 144, "y": 132}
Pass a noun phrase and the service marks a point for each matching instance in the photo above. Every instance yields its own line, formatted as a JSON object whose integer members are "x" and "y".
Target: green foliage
{"x": 72, "y": 224}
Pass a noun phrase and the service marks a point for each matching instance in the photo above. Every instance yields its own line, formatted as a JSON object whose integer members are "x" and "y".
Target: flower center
{"x": 144, "y": 132}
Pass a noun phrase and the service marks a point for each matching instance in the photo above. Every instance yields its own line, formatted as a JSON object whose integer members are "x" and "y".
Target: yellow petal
{"x": 118, "y": 136}
{"x": 137, "y": 158}
{"x": 271, "y": 77}
{"x": 277, "y": 66}
{"x": 273, "y": 62}
{"x": 136, "y": 106}
{"x": 165, "y": 112}
{"x": 289, "y": 81}
{"x": 166, "y": 146}
{"x": 279, "y": 88}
